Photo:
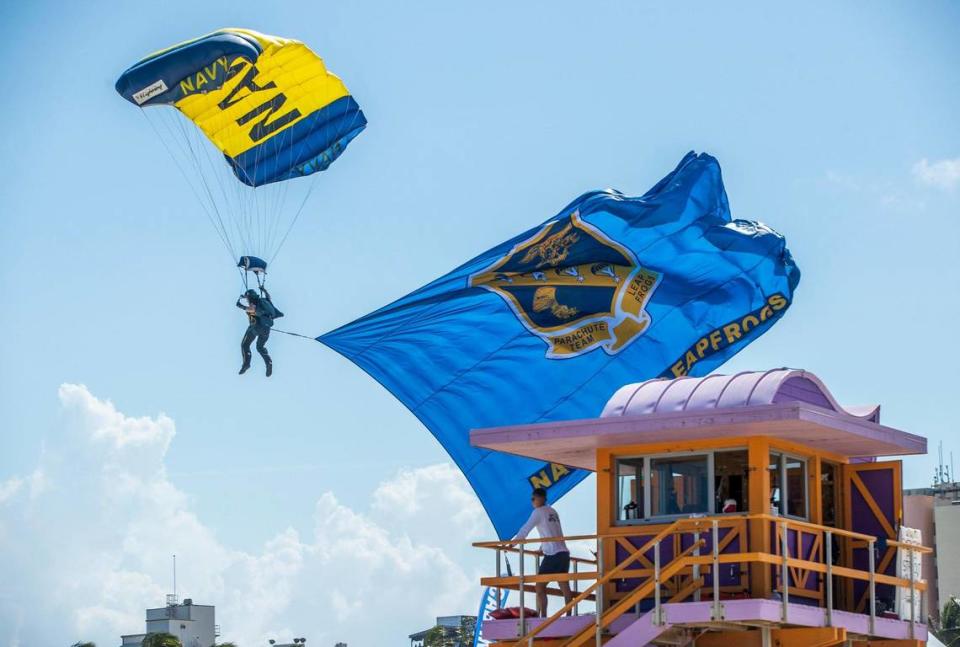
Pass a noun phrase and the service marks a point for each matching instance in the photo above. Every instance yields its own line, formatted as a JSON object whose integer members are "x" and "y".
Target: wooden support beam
{"x": 687, "y": 590}
{"x": 801, "y": 637}
{"x": 758, "y": 497}
{"x": 815, "y": 489}
{"x": 808, "y": 637}
{"x": 752, "y": 638}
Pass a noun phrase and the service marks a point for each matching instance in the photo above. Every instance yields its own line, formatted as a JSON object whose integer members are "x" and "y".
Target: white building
{"x": 936, "y": 512}
{"x": 194, "y": 624}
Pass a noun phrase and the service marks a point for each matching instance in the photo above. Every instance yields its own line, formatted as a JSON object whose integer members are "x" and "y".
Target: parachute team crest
{"x": 574, "y": 287}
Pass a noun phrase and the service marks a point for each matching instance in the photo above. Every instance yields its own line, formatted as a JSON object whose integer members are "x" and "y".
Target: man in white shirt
{"x": 556, "y": 555}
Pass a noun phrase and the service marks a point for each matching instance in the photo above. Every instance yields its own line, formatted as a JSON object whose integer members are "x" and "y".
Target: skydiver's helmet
{"x": 251, "y": 296}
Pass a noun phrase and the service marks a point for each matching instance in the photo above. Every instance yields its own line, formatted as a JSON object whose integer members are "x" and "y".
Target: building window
{"x": 796, "y": 481}
{"x": 630, "y": 489}
{"x": 788, "y": 485}
{"x": 776, "y": 485}
{"x": 664, "y": 486}
{"x": 731, "y": 471}
{"x": 828, "y": 487}
{"x": 678, "y": 485}
{"x": 717, "y": 482}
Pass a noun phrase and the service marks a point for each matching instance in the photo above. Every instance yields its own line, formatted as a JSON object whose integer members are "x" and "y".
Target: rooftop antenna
{"x": 940, "y": 476}
{"x": 172, "y": 597}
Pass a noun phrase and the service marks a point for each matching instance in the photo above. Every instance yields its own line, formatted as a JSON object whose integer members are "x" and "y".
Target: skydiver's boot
{"x": 246, "y": 363}
{"x": 262, "y": 349}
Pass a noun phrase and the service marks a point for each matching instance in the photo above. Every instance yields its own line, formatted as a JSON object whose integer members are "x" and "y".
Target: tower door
{"x": 873, "y": 505}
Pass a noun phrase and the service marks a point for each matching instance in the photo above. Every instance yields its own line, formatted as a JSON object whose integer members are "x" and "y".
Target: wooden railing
{"x": 696, "y": 565}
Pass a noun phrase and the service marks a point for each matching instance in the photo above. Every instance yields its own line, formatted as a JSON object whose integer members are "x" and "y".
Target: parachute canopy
{"x": 267, "y": 103}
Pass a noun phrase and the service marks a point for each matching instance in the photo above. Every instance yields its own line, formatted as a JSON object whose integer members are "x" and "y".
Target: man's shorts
{"x": 556, "y": 563}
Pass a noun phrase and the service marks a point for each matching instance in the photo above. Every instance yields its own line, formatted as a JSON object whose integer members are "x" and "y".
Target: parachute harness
{"x": 245, "y": 277}
{"x": 261, "y": 280}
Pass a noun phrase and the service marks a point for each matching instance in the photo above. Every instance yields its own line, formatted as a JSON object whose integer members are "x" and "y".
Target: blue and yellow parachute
{"x": 268, "y": 104}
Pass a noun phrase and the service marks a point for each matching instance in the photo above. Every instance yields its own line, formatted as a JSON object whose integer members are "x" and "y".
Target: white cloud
{"x": 942, "y": 174}
{"x": 86, "y": 539}
{"x": 35, "y": 483}
{"x": 9, "y": 488}
{"x": 406, "y": 496}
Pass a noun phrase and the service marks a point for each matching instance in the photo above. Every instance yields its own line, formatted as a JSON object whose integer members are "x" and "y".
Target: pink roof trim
{"x": 662, "y": 395}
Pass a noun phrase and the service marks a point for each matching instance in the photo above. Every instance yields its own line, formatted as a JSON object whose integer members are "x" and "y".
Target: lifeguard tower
{"x": 741, "y": 510}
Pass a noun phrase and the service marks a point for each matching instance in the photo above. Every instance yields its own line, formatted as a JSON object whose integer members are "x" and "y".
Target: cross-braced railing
{"x": 811, "y": 551}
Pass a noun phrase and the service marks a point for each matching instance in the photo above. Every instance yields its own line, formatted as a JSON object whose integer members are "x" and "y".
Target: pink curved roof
{"x": 783, "y": 404}
{"x": 696, "y": 394}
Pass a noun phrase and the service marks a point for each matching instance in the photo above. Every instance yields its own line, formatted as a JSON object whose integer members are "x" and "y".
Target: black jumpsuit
{"x": 261, "y": 320}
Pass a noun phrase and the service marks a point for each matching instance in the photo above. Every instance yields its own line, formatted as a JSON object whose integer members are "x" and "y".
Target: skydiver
{"x": 261, "y": 312}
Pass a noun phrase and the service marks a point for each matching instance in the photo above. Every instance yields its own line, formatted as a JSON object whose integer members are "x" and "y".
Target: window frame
{"x": 783, "y": 457}
{"x": 646, "y": 519}
{"x": 617, "y": 492}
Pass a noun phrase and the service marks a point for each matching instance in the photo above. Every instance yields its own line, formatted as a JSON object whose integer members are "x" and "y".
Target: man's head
{"x": 539, "y": 497}
{"x": 251, "y": 296}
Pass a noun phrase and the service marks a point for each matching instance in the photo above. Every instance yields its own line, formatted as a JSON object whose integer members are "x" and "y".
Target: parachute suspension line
{"x": 190, "y": 150}
{"x": 280, "y": 198}
{"x": 274, "y": 252}
{"x": 230, "y": 225}
{"x": 280, "y": 205}
{"x": 186, "y": 177}
{"x": 293, "y": 221}
{"x": 259, "y": 207}
{"x": 274, "y": 197}
{"x": 258, "y": 211}
{"x": 217, "y": 171}
{"x": 303, "y": 203}
{"x": 198, "y": 163}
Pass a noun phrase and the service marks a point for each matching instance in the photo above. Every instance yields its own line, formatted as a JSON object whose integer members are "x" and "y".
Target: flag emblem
{"x": 574, "y": 287}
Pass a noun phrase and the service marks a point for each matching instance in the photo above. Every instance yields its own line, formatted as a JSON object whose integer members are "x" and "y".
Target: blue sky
{"x": 836, "y": 125}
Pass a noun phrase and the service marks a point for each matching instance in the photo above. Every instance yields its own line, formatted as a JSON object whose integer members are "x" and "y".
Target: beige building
{"x": 936, "y": 512}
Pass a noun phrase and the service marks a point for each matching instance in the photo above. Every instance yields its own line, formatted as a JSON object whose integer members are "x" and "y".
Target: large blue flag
{"x": 546, "y": 326}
